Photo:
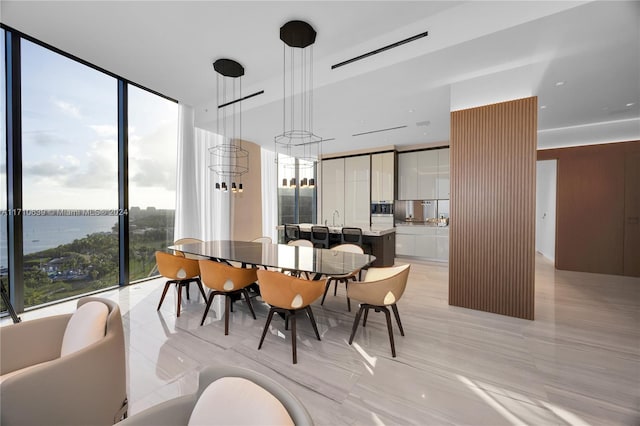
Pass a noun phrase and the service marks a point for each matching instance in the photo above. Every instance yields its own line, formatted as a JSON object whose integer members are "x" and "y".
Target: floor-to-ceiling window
{"x": 65, "y": 164}
{"x": 4, "y": 252}
{"x": 307, "y": 192}
{"x": 153, "y": 129}
{"x": 296, "y": 190}
{"x": 69, "y": 176}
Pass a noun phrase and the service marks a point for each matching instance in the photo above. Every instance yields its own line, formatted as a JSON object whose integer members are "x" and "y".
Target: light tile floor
{"x": 578, "y": 363}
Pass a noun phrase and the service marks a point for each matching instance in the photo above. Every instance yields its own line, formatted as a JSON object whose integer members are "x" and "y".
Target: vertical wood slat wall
{"x": 492, "y": 236}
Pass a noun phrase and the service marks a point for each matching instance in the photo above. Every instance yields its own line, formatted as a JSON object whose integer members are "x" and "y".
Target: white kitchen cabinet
{"x": 356, "y": 191}
{"x": 427, "y": 174}
{"x": 425, "y": 246}
{"x": 443, "y": 174}
{"x": 442, "y": 244}
{"x": 408, "y": 176}
{"x": 426, "y": 242}
{"x": 333, "y": 189}
{"x": 405, "y": 244}
{"x": 382, "y": 177}
{"x": 423, "y": 175}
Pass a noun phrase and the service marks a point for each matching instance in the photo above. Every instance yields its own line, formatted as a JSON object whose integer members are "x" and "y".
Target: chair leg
{"x": 227, "y": 303}
{"x": 313, "y": 320}
{"x": 164, "y": 293}
{"x": 397, "y": 315}
{"x": 206, "y": 310}
{"x": 187, "y": 286}
{"x": 355, "y": 324}
{"x": 326, "y": 289}
{"x": 293, "y": 338}
{"x": 179, "y": 297}
{"x": 248, "y": 300}
{"x": 204, "y": 296}
{"x": 346, "y": 290}
{"x": 335, "y": 288}
{"x": 266, "y": 326}
{"x": 390, "y": 329}
{"x": 366, "y": 315}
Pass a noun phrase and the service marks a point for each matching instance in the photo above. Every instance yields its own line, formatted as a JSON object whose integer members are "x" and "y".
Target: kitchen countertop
{"x": 374, "y": 231}
{"x": 421, "y": 224}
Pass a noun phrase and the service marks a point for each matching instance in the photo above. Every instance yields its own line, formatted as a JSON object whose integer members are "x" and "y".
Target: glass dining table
{"x": 315, "y": 261}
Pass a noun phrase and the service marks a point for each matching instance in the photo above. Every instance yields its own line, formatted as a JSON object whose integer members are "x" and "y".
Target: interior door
{"x": 632, "y": 215}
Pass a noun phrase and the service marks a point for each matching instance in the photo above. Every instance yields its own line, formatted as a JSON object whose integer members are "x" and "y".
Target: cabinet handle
{"x": 632, "y": 220}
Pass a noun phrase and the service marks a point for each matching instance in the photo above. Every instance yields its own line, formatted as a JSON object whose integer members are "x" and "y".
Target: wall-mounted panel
{"x": 598, "y": 229}
{"x": 492, "y": 231}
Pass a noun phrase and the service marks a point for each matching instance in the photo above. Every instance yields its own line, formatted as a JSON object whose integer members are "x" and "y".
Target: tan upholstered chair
{"x": 182, "y": 410}
{"x": 227, "y": 281}
{"x": 300, "y": 243}
{"x": 381, "y": 287}
{"x": 181, "y": 271}
{"x": 288, "y": 295}
{"x": 62, "y": 370}
{"x": 188, "y": 241}
{"x": 350, "y": 248}
{"x": 264, "y": 240}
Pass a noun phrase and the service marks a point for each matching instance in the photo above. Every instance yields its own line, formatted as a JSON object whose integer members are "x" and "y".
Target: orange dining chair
{"x": 381, "y": 287}
{"x": 227, "y": 281}
{"x": 288, "y": 295}
{"x": 180, "y": 271}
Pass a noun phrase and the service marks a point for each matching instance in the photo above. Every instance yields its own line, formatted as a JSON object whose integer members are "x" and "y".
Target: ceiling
{"x": 476, "y": 53}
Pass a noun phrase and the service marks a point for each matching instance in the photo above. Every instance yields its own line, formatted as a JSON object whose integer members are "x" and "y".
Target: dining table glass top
{"x": 307, "y": 259}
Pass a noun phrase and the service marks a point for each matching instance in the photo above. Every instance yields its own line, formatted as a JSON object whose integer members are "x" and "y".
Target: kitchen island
{"x": 378, "y": 241}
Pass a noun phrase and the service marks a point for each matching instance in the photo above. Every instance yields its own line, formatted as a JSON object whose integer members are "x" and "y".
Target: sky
{"x": 70, "y": 155}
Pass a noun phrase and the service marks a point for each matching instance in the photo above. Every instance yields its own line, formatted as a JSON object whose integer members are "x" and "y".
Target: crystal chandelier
{"x": 297, "y": 145}
{"x": 228, "y": 159}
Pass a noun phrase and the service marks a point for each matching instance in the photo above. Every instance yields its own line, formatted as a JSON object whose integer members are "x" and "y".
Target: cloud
{"x": 153, "y": 173}
{"x": 105, "y": 130}
{"x": 49, "y": 169}
{"x": 67, "y": 108}
{"x": 100, "y": 168}
{"x": 44, "y": 138}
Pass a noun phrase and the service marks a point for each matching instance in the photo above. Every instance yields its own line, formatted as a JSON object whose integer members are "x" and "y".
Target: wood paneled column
{"x": 492, "y": 236}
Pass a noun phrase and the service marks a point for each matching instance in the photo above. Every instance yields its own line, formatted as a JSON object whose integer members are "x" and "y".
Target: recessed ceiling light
{"x": 631, "y": 104}
{"x": 411, "y": 110}
{"x": 543, "y": 107}
{"x": 559, "y": 83}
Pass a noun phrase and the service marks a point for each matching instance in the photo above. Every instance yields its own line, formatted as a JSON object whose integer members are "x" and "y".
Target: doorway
{"x": 546, "y": 176}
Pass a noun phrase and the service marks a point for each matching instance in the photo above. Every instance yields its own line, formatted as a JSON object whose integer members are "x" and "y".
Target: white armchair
{"x": 228, "y": 395}
{"x": 65, "y": 369}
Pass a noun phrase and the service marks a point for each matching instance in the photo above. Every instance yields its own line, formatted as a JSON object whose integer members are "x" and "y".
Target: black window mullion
{"x": 123, "y": 181}
{"x": 14, "y": 170}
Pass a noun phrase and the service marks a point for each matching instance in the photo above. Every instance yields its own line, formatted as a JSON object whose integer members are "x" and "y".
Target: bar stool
{"x": 291, "y": 232}
{"x": 320, "y": 236}
{"x": 351, "y": 236}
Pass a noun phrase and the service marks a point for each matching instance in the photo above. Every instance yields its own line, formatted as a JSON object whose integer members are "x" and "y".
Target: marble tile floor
{"x": 578, "y": 363}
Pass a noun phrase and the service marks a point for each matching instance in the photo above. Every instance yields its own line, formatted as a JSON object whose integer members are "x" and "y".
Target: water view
{"x": 69, "y": 255}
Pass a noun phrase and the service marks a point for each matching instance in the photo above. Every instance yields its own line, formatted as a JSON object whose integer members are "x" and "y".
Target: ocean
{"x": 45, "y": 232}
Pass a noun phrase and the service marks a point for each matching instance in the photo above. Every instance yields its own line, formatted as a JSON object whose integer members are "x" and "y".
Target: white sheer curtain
{"x": 269, "y": 193}
{"x": 201, "y": 210}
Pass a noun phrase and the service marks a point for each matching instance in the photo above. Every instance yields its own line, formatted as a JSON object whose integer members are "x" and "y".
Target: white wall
{"x": 546, "y": 208}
